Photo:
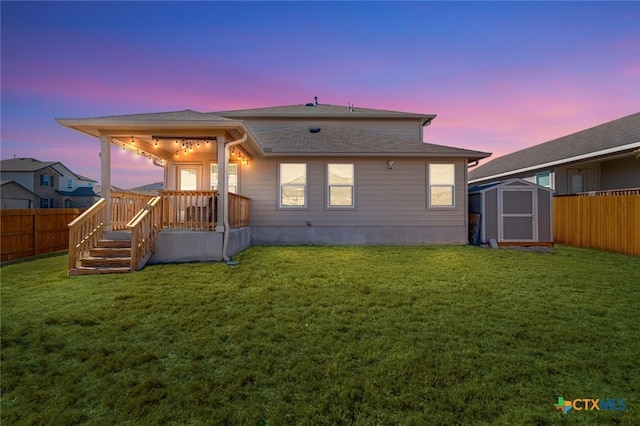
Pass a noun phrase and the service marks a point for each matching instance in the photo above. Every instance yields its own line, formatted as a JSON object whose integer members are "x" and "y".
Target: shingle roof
{"x": 84, "y": 191}
{"x": 349, "y": 141}
{"x": 321, "y": 110}
{"x": 24, "y": 165}
{"x": 611, "y": 135}
{"x": 187, "y": 114}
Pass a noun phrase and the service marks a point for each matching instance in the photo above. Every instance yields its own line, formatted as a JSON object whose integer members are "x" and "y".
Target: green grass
{"x": 325, "y": 335}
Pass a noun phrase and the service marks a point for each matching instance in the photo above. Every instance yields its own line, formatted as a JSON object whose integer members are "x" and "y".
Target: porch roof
{"x": 304, "y": 140}
{"x": 147, "y": 126}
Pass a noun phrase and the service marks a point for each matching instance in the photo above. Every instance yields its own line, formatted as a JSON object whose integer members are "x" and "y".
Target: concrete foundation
{"x": 177, "y": 246}
{"x": 358, "y": 235}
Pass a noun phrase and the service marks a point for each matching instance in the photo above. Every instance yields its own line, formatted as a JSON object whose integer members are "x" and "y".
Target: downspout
{"x": 225, "y": 196}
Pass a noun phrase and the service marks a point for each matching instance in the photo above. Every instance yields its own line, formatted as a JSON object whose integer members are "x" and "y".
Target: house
{"x": 596, "y": 159}
{"x": 54, "y": 185}
{"x": 300, "y": 174}
{"x": 15, "y": 196}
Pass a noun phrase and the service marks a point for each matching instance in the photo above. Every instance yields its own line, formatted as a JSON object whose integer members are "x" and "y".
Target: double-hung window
{"x": 340, "y": 181}
{"x": 293, "y": 185}
{"x": 232, "y": 177}
{"x": 46, "y": 180}
{"x": 442, "y": 185}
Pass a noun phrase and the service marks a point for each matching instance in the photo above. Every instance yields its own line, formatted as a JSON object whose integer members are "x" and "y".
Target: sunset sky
{"x": 500, "y": 76}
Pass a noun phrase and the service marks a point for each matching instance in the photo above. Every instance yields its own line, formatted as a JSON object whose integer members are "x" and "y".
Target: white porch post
{"x": 105, "y": 177}
{"x": 222, "y": 182}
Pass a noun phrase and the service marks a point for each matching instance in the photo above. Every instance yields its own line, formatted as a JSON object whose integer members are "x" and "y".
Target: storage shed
{"x": 513, "y": 212}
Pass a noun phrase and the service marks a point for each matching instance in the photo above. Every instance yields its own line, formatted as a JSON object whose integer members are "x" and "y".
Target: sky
{"x": 501, "y": 76}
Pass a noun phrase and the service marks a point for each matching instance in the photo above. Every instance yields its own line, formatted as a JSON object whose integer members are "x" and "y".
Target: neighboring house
{"x": 150, "y": 189}
{"x": 601, "y": 158}
{"x": 15, "y": 196}
{"x": 53, "y": 183}
{"x": 315, "y": 174}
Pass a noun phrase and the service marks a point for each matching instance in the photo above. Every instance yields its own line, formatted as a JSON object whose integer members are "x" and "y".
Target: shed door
{"x": 517, "y": 209}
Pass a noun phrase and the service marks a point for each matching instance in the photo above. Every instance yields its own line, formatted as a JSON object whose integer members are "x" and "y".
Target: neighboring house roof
{"x": 330, "y": 140}
{"x": 615, "y": 136}
{"x": 313, "y": 110}
{"x": 28, "y": 165}
{"x": 79, "y": 192}
{"x": 150, "y": 189}
{"x": 13, "y": 182}
{"x": 84, "y": 178}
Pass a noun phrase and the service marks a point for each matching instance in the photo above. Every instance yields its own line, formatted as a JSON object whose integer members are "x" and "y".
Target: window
{"x": 340, "y": 179}
{"x": 544, "y": 179}
{"x": 188, "y": 178}
{"x": 69, "y": 183}
{"x": 441, "y": 185}
{"x": 46, "y": 180}
{"x": 46, "y": 203}
{"x": 232, "y": 177}
{"x": 293, "y": 185}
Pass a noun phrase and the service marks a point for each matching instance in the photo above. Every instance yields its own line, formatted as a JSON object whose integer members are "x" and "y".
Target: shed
{"x": 513, "y": 212}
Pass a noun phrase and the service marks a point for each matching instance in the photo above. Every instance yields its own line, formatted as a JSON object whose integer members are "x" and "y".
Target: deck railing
{"x": 145, "y": 227}
{"x": 238, "y": 210}
{"x": 85, "y": 231}
{"x": 193, "y": 210}
{"x": 124, "y": 206}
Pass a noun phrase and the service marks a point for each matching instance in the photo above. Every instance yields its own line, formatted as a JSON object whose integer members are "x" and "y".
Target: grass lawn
{"x": 325, "y": 335}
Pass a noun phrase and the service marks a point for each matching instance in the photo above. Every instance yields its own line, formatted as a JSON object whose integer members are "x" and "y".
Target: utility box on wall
{"x": 513, "y": 212}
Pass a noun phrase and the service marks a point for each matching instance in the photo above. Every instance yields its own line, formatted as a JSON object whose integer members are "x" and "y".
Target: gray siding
{"x": 490, "y": 220}
{"x": 544, "y": 216}
{"x": 383, "y": 198}
{"x": 620, "y": 173}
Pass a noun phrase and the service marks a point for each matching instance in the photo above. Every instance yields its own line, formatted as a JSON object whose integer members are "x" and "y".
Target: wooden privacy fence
{"x": 603, "y": 222}
{"x": 27, "y": 232}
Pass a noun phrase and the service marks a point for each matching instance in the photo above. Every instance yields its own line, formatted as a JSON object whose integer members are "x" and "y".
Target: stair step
{"x": 114, "y": 243}
{"x": 93, "y": 261}
{"x": 88, "y": 270}
{"x": 110, "y": 252}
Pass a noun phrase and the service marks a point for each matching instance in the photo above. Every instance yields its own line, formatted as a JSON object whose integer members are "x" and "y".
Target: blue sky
{"x": 500, "y": 75}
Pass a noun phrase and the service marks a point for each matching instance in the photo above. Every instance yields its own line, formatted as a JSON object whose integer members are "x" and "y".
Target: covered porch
{"x": 196, "y": 217}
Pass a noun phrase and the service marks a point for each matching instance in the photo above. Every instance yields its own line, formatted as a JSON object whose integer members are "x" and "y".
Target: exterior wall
{"x": 620, "y": 173}
{"x": 386, "y": 202}
{"x": 76, "y": 202}
{"x": 401, "y": 128}
{"x": 490, "y": 217}
{"x": 13, "y": 196}
{"x": 48, "y": 192}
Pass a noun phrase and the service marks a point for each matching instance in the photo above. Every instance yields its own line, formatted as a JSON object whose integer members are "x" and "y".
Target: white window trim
{"x": 352, "y": 186}
{"x": 429, "y": 186}
{"x": 305, "y": 186}
{"x": 215, "y": 163}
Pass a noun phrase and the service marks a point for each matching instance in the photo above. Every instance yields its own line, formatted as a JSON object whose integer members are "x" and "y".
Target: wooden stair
{"x": 110, "y": 256}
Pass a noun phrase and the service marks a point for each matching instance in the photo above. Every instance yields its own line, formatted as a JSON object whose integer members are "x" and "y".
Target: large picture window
{"x": 293, "y": 185}
{"x": 442, "y": 185}
{"x": 232, "y": 177}
{"x": 340, "y": 180}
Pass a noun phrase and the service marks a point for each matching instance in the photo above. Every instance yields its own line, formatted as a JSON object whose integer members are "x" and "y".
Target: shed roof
{"x": 616, "y": 135}
{"x": 509, "y": 182}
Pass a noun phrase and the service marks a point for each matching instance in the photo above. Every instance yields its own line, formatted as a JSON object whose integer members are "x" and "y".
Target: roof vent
{"x": 314, "y": 129}
{"x": 310, "y": 104}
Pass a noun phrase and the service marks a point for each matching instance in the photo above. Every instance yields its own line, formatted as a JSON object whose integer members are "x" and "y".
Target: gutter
{"x": 225, "y": 195}
{"x": 560, "y": 162}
